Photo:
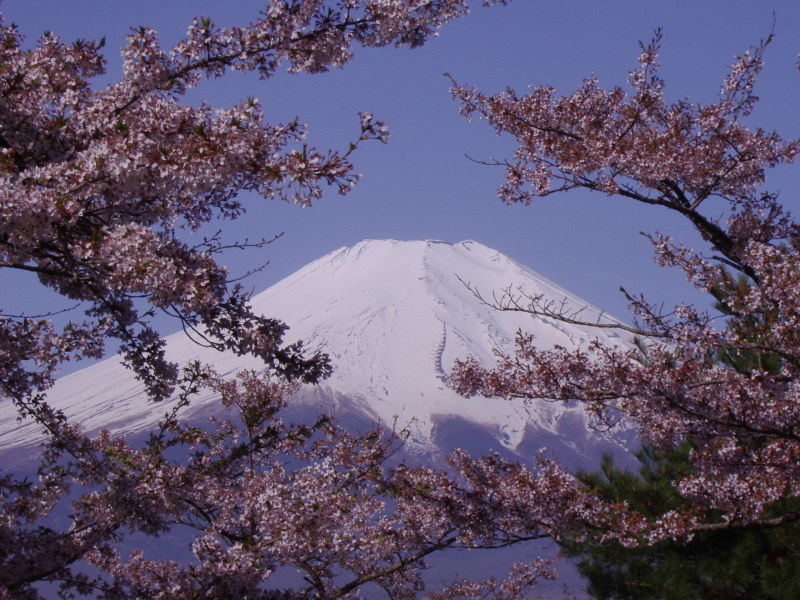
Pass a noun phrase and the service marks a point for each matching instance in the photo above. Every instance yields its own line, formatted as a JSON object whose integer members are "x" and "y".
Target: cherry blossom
{"x": 98, "y": 186}
{"x": 728, "y": 383}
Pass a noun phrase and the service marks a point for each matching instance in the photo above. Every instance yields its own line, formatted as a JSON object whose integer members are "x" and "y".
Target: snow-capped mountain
{"x": 393, "y": 316}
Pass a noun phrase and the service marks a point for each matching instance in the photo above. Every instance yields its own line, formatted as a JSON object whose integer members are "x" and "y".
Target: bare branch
{"x": 539, "y": 305}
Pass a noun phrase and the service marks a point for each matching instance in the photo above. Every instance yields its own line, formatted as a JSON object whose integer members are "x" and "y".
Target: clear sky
{"x": 421, "y": 185}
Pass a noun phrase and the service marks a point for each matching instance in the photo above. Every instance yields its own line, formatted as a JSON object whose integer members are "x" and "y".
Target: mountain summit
{"x": 393, "y": 316}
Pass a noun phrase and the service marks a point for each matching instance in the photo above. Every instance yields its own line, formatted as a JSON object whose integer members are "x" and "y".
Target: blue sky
{"x": 421, "y": 185}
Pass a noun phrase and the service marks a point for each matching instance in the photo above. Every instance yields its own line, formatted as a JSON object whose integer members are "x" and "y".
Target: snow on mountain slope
{"x": 393, "y": 316}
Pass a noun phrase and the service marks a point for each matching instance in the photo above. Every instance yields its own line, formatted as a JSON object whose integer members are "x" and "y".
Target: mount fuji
{"x": 392, "y": 316}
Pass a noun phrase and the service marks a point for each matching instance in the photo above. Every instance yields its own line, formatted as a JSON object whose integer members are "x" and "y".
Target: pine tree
{"x": 752, "y": 563}
{"x": 747, "y": 563}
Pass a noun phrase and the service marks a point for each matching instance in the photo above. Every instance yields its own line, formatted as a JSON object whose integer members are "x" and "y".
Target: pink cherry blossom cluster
{"x": 635, "y": 145}
{"x": 96, "y": 184}
{"x": 256, "y": 494}
{"x": 96, "y": 187}
{"x": 730, "y": 384}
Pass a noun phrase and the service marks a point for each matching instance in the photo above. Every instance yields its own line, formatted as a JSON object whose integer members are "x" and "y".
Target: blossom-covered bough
{"x": 98, "y": 187}
{"x": 729, "y": 383}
